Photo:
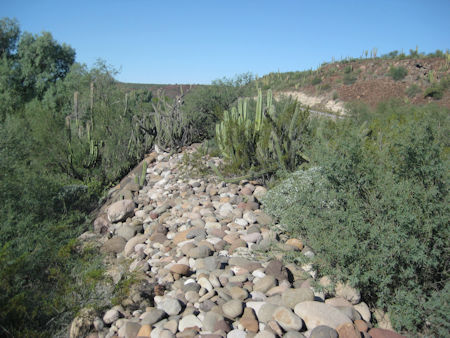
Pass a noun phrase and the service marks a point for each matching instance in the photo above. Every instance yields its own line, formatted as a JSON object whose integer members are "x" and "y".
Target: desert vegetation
{"x": 375, "y": 182}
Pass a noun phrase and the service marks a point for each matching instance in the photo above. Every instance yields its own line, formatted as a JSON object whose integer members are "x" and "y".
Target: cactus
{"x": 238, "y": 132}
{"x": 143, "y": 174}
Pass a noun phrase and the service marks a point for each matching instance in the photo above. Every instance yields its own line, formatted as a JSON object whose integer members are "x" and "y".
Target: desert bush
{"x": 349, "y": 78}
{"x": 375, "y": 208}
{"x": 398, "y": 73}
{"x": 413, "y": 90}
{"x": 205, "y": 104}
{"x": 316, "y": 80}
{"x": 436, "y": 91}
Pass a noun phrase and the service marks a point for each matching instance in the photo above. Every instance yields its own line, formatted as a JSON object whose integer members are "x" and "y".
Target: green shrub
{"x": 325, "y": 87}
{"x": 316, "y": 80}
{"x": 348, "y": 69}
{"x": 436, "y": 91}
{"x": 375, "y": 209}
{"x": 398, "y": 73}
{"x": 413, "y": 90}
{"x": 349, "y": 78}
{"x": 205, "y": 104}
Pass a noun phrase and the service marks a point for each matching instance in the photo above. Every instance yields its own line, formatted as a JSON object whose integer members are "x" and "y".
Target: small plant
{"x": 436, "y": 91}
{"x": 431, "y": 77}
{"x": 349, "y": 79}
{"x": 398, "y": 73}
{"x": 413, "y": 90}
{"x": 325, "y": 87}
{"x": 316, "y": 80}
{"x": 335, "y": 95}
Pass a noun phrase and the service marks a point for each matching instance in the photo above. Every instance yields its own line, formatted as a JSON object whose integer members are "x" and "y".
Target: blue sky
{"x": 193, "y": 41}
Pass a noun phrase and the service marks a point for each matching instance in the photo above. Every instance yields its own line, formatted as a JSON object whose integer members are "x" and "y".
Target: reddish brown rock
{"x": 217, "y": 232}
{"x": 296, "y": 243}
{"x": 275, "y": 268}
{"x": 181, "y": 269}
{"x": 158, "y": 238}
{"x": 230, "y": 238}
{"x": 144, "y": 331}
{"x": 383, "y": 333}
{"x": 361, "y": 325}
{"x": 249, "y": 321}
{"x": 222, "y": 325}
{"x": 348, "y": 330}
{"x": 180, "y": 236}
{"x": 239, "y": 243}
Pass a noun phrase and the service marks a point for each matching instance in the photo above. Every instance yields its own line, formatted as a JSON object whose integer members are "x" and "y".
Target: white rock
{"x": 250, "y": 217}
{"x": 364, "y": 311}
{"x": 111, "y": 316}
{"x": 316, "y": 313}
{"x": 189, "y": 321}
{"x": 236, "y": 334}
{"x": 348, "y": 292}
{"x": 120, "y": 210}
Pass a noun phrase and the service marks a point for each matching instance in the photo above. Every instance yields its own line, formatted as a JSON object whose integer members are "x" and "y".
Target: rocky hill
{"x": 370, "y": 81}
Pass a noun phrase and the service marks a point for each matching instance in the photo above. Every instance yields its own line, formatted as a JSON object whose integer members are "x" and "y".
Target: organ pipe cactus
{"x": 238, "y": 132}
{"x": 264, "y": 137}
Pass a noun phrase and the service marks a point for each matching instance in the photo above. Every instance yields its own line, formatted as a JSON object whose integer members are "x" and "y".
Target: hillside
{"x": 370, "y": 81}
{"x": 410, "y": 79}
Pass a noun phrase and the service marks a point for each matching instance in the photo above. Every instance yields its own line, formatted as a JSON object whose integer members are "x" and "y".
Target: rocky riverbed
{"x": 206, "y": 261}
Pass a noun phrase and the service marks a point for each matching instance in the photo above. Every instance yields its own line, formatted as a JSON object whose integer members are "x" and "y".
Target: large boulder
{"x": 316, "y": 313}
{"x": 120, "y": 210}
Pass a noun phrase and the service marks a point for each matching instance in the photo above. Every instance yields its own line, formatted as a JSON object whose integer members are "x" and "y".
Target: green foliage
{"x": 174, "y": 128}
{"x": 436, "y": 91}
{"x": 316, "y": 80}
{"x": 205, "y": 104}
{"x": 349, "y": 78}
{"x": 143, "y": 174}
{"x": 413, "y": 90}
{"x": 42, "y": 61}
{"x": 348, "y": 69}
{"x": 237, "y": 134}
{"x": 55, "y": 161}
{"x": 9, "y": 36}
{"x": 398, "y": 73}
{"x": 30, "y": 67}
{"x": 375, "y": 208}
{"x": 271, "y": 136}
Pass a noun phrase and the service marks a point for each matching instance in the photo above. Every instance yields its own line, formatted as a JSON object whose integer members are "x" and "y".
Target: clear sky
{"x": 198, "y": 41}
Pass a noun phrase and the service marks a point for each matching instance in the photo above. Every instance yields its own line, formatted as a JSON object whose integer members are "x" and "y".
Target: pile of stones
{"x": 208, "y": 262}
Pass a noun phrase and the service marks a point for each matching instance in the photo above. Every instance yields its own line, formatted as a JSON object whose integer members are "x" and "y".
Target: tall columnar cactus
{"x": 238, "y": 132}
{"x": 143, "y": 174}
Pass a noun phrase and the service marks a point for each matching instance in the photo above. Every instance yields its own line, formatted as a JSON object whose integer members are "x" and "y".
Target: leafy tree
{"x": 29, "y": 65}
{"x": 42, "y": 61}
{"x": 9, "y": 36}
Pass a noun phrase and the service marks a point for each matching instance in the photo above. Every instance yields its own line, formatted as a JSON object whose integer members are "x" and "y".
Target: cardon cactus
{"x": 238, "y": 132}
